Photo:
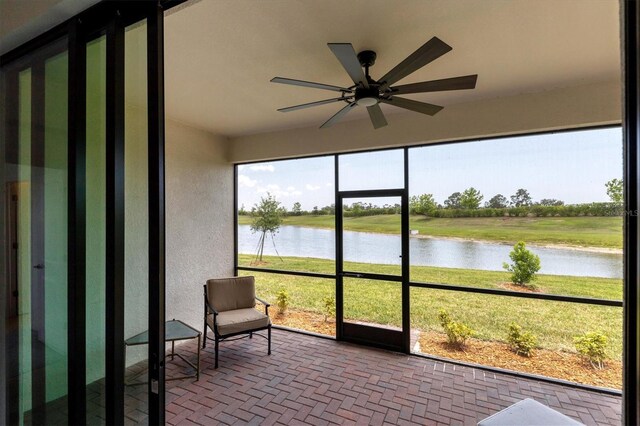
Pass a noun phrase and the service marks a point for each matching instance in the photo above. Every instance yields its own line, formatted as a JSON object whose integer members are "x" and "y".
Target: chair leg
{"x": 251, "y": 335}
{"x": 269, "y": 340}
{"x": 216, "y": 365}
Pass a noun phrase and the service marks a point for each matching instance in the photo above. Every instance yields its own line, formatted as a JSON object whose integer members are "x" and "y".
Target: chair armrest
{"x": 263, "y": 302}
{"x": 266, "y": 305}
{"x": 209, "y": 307}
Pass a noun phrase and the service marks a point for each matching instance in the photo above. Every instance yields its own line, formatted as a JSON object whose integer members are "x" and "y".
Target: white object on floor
{"x": 528, "y": 412}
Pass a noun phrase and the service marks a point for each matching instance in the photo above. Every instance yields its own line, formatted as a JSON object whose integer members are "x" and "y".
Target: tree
{"x": 470, "y": 199}
{"x": 242, "y": 211}
{"x": 297, "y": 209}
{"x": 549, "y": 202}
{"x": 453, "y": 202}
{"x": 422, "y": 204}
{"x": 525, "y": 264}
{"x": 498, "y": 201}
{"x": 521, "y": 198}
{"x": 267, "y": 218}
{"x": 615, "y": 189}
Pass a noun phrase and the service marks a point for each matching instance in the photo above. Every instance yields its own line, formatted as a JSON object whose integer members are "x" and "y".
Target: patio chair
{"x": 229, "y": 311}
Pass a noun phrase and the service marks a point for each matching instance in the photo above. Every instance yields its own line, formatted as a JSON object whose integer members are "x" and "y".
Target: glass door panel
{"x": 96, "y": 207}
{"x": 35, "y": 179}
{"x": 371, "y": 235}
{"x": 370, "y": 268}
{"x": 136, "y": 220}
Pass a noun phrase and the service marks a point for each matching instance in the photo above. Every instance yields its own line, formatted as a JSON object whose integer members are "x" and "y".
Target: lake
{"x": 450, "y": 253}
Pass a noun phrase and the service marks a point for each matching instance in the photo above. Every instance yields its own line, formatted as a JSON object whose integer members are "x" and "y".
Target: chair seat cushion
{"x": 239, "y": 320}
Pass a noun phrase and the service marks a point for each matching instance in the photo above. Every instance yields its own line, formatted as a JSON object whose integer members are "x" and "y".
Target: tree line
{"x": 468, "y": 203}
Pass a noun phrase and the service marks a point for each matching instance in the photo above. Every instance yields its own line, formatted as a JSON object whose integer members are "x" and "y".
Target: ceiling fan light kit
{"x": 369, "y": 93}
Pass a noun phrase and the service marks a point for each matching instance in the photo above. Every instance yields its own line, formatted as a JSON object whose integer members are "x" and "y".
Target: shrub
{"x": 457, "y": 332}
{"x": 282, "y": 301}
{"x": 592, "y": 346}
{"x": 525, "y": 264}
{"x": 329, "y": 307}
{"x": 522, "y": 343}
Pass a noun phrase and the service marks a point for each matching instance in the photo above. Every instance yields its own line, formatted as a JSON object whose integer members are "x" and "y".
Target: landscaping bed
{"x": 558, "y": 364}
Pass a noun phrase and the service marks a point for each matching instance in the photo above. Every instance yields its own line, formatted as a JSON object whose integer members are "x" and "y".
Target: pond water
{"x": 450, "y": 253}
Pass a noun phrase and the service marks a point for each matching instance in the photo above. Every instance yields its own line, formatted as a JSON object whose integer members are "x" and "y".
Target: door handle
{"x": 38, "y": 266}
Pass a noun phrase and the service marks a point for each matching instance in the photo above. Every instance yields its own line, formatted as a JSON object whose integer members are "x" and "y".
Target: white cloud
{"x": 241, "y": 167}
{"x": 262, "y": 168}
{"x": 310, "y": 187}
{"x": 246, "y": 181}
{"x": 277, "y": 192}
{"x": 328, "y": 184}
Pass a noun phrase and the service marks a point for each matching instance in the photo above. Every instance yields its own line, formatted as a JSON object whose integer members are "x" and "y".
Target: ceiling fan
{"x": 370, "y": 93}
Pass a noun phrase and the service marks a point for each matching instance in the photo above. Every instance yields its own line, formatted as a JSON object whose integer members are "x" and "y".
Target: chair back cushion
{"x": 227, "y": 294}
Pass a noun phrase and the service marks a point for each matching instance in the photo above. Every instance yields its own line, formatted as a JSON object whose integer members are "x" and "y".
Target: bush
{"x": 592, "y": 346}
{"x": 457, "y": 332}
{"x": 329, "y": 307}
{"x": 282, "y": 301}
{"x": 522, "y": 343}
{"x": 525, "y": 264}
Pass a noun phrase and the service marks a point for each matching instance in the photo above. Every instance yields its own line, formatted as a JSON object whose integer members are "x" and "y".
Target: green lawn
{"x": 574, "y": 231}
{"x": 554, "y": 323}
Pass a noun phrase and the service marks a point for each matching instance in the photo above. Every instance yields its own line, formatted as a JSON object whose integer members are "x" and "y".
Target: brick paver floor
{"x": 309, "y": 380}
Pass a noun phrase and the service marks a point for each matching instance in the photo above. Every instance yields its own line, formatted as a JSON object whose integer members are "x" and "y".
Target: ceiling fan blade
{"x": 412, "y": 105}
{"x": 376, "y": 116}
{"x": 349, "y": 60}
{"x": 454, "y": 83}
{"x": 303, "y": 83}
{"x": 430, "y": 51}
{"x": 312, "y": 104}
{"x": 338, "y": 115}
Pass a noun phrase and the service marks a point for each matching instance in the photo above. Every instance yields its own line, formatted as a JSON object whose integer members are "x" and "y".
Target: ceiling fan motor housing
{"x": 367, "y": 96}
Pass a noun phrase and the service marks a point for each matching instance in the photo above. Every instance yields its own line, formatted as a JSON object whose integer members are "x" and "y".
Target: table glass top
{"x": 173, "y": 330}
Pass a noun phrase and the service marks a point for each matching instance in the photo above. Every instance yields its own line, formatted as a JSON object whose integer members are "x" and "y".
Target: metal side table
{"x": 174, "y": 330}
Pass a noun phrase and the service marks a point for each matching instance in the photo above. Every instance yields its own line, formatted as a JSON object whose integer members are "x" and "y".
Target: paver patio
{"x": 310, "y": 380}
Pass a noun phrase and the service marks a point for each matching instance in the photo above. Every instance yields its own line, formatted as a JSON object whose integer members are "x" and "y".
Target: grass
{"x": 572, "y": 231}
{"x": 554, "y": 323}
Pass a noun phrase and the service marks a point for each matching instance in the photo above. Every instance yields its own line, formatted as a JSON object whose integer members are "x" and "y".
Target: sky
{"x": 568, "y": 166}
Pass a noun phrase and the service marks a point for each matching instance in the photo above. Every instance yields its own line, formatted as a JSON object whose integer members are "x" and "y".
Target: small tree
{"x": 267, "y": 218}
{"x": 521, "y": 198}
{"x": 329, "y": 307}
{"x": 282, "y": 301}
{"x": 296, "y": 210}
{"x": 498, "y": 201}
{"x": 423, "y": 204}
{"x": 525, "y": 264}
{"x": 615, "y": 188}
{"x": 470, "y": 199}
{"x": 453, "y": 202}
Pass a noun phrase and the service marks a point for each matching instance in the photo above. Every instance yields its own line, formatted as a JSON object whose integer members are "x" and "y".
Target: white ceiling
{"x": 221, "y": 54}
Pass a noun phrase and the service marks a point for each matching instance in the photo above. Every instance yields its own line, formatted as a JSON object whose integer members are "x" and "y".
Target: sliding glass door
{"x": 82, "y": 221}
{"x": 35, "y": 223}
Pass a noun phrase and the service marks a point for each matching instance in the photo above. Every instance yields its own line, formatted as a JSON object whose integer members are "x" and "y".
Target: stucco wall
{"x": 571, "y": 107}
{"x": 199, "y": 215}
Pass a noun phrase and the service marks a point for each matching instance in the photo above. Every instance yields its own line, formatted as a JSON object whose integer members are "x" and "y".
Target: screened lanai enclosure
{"x": 438, "y": 268}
